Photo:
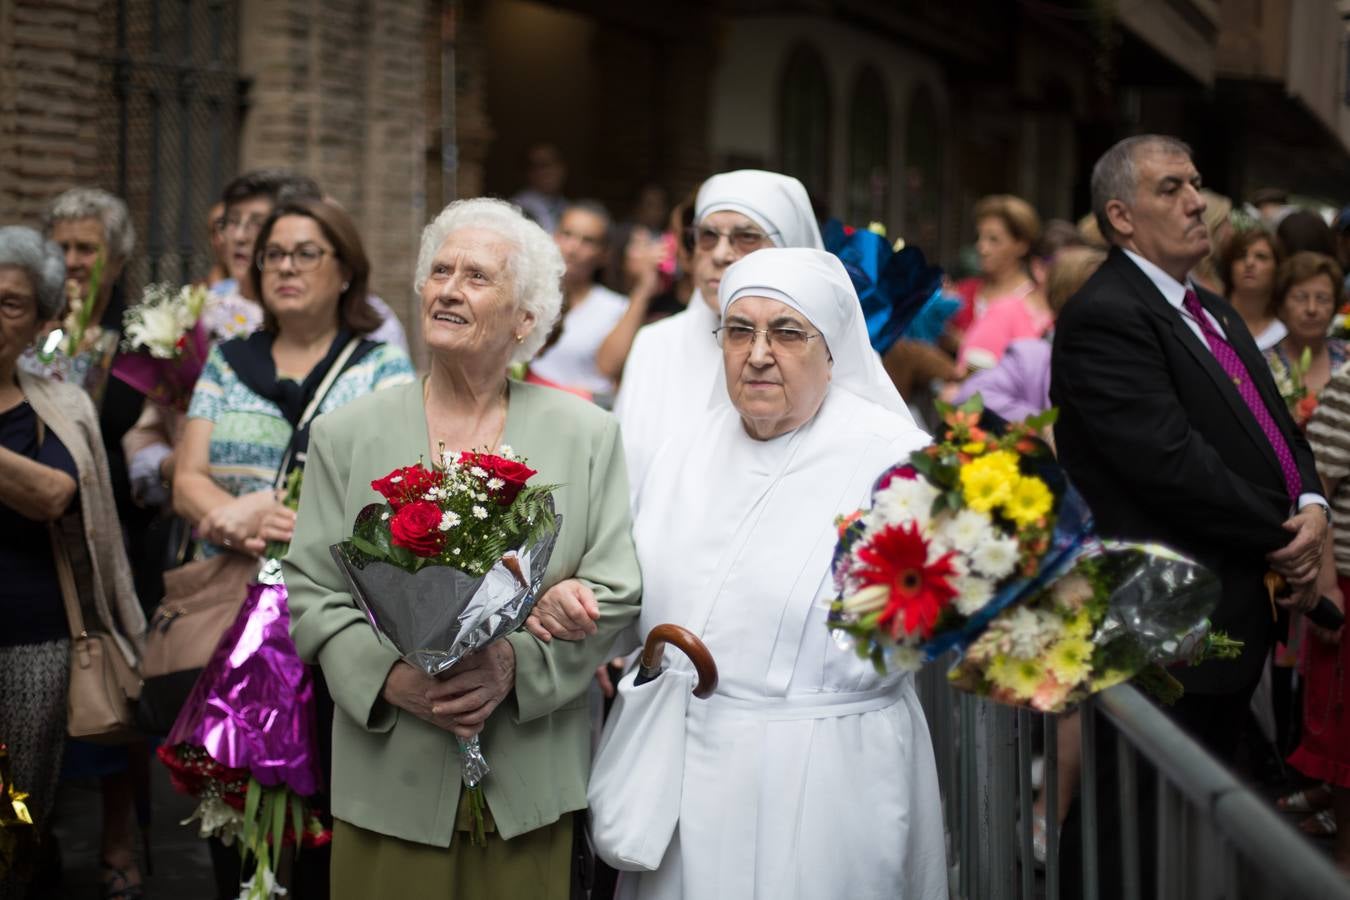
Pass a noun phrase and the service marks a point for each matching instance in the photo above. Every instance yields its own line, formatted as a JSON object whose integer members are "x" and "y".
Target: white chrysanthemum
{"x": 479, "y": 512}
{"x": 496, "y": 484}
{"x": 972, "y": 593}
{"x": 449, "y": 520}
{"x": 478, "y": 472}
{"x": 968, "y": 529}
{"x": 1028, "y": 631}
{"x": 905, "y": 500}
{"x": 996, "y": 557}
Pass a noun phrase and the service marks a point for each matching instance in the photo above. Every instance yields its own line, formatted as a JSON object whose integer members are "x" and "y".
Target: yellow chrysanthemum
{"x": 974, "y": 448}
{"x": 1020, "y": 677}
{"x": 1079, "y": 625}
{"x": 987, "y": 482}
{"x": 1028, "y": 501}
{"x": 1070, "y": 660}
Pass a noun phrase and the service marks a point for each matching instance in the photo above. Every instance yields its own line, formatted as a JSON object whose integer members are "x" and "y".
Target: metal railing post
{"x": 1050, "y": 775}
{"x": 1128, "y": 782}
{"x": 1025, "y": 797}
{"x": 1088, "y": 799}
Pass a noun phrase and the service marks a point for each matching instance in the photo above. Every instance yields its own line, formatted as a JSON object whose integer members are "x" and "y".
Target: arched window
{"x": 869, "y": 149}
{"x": 804, "y": 120}
{"x": 923, "y": 174}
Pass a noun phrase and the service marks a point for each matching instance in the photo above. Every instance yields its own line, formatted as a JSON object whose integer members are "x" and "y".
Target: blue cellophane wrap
{"x": 253, "y": 706}
{"x": 893, "y": 286}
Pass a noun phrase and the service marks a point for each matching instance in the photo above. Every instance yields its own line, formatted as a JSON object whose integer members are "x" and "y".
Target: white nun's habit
{"x": 807, "y": 775}
{"x": 672, "y": 369}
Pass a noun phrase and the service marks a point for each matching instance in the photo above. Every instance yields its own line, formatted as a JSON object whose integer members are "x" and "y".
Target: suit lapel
{"x": 1156, "y": 303}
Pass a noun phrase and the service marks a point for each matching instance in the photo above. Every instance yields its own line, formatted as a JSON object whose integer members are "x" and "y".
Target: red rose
{"x": 417, "y": 527}
{"x": 512, "y": 473}
{"x": 407, "y": 485}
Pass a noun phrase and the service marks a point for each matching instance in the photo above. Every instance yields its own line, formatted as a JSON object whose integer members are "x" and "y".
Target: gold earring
{"x": 520, "y": 339}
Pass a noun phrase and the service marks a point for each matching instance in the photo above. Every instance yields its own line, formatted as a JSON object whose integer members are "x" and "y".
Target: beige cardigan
{"x": 69, "y": 414}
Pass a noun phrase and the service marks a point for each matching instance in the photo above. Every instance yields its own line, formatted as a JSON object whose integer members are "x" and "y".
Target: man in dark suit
{"x": 1173, "y": 430}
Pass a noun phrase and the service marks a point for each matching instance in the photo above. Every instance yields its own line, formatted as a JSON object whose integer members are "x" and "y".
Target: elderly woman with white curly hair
{"x": 489, "y": 282}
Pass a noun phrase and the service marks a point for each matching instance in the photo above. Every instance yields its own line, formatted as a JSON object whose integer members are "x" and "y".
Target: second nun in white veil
{"x": 806, "y": 774}
{"x": 671, "y": 374}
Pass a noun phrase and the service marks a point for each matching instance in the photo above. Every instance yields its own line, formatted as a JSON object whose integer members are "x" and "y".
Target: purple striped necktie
{"x": 1236, "y": 370}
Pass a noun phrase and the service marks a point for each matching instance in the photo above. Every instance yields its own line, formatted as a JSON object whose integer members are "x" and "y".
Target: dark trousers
{"x": 1215, "y": 721}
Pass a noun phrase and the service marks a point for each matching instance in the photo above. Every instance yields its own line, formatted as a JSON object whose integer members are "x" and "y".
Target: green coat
{"x": 392, "y": 772}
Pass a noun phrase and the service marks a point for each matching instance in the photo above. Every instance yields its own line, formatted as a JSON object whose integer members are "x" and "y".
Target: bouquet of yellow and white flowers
{"x": 978, "y": 544}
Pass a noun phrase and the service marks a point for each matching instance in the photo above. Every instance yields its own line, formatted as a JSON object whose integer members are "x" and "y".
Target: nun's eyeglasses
{"x": 742, "y": 337}
{"x": 743, "y": 240}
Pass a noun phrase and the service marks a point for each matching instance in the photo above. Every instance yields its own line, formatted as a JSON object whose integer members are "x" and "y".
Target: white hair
{"x": 536, "y": 266}
{"x": 42, "y": 261}
{"x": 95, "y": 203}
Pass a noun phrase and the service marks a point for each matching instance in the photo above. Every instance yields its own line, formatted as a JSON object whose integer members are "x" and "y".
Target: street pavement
{"x": 182, "y": 864}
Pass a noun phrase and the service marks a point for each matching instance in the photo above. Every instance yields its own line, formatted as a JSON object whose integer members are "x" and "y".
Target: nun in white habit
{"x": 672, "y": 370}
{"x": 807, "y": 775}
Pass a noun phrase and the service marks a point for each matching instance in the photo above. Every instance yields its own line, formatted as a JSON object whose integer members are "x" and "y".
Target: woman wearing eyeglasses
{"x": 735, "y": 534}
{"x": 671, "y": 375}
{"x": 311, "y": 273}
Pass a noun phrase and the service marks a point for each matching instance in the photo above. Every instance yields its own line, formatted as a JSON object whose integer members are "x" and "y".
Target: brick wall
{"x": 337, "y": 91}
{"x": 49, "y": 102}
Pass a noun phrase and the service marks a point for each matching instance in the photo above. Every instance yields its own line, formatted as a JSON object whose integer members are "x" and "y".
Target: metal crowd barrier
{"x": 1215, "y": 838}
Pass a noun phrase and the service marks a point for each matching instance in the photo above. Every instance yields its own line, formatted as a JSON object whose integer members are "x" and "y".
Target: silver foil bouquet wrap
{"x": 1118, "y": 611}
{"x": 438, "y": 615}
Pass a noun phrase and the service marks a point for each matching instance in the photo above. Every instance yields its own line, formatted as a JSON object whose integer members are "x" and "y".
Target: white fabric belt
{"x": 807, "y": 706}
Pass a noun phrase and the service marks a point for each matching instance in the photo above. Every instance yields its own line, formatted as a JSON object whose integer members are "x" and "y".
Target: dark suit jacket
{"x": 1161, "y": 445}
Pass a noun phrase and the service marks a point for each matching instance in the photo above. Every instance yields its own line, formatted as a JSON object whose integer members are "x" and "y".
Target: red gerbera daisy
{"x": 897, "y": 557}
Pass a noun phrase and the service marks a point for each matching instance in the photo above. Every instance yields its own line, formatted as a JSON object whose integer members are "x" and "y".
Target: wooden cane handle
{"x": 697, "y": 651}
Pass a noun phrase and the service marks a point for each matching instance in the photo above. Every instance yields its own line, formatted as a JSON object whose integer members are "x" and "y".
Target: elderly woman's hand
{"x": 232, "y": 524}
{"x": 461, "y": 703}
{"x": 567, "y": 610}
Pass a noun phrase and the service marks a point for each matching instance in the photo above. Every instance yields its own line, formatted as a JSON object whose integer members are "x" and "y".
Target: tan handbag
{"x": 201, "y": 600}
{"x": 103, "y": 685}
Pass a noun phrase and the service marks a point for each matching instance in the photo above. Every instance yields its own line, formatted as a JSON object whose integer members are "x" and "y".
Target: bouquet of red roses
{"x": 450, "y": 563}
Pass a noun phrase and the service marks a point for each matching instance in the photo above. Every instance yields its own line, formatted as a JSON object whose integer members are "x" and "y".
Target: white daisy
{"x": 449, "y": 520}
{"x": 507, "y": 452}
{"x": 996, "y": 557}
{"x": 496, "y": 484}
{"x": 478, "y": 472}
{"x": 972, "y": 593}
{"x": 479, "y": 512}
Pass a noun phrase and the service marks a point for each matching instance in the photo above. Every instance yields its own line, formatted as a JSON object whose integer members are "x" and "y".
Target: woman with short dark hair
{"x": 1308, "y": 293}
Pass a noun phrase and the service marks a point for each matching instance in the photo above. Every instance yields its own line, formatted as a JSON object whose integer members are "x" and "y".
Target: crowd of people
{"x": 1193, "y": 347}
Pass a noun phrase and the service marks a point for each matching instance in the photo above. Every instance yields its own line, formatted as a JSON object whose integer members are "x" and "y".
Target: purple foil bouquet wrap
{"x": 245, "y": 742}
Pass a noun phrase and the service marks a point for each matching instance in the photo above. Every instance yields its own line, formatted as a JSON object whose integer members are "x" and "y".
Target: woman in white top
{"x": 591, "y": 310}
{"x": 671, "y": 374}
{"x": 806, "y": 773}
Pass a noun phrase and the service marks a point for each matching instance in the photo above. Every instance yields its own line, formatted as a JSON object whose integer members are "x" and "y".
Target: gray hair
{"x": 536, "y": 268}
{"x": 42, "y": 261}
{"x": 95, "y": 203}
{"x": 1115, "y": 176}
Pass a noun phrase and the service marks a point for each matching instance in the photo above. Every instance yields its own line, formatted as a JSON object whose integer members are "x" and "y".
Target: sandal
{"x": 1320, "y": 824}
{"x": 117, "y": 886}
{"x": 1306, "y": 801}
